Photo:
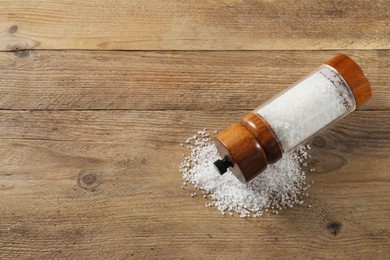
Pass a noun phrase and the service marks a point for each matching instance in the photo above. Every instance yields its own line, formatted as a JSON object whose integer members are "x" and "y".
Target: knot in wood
{"x": 88, "y": 180}
{"x": 13, "y": 29}
{"x": 318, "y": 141}
{"x": 334, "y": 228}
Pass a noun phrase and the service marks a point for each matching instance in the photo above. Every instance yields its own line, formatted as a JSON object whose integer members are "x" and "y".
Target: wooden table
{"x": 97, "y": 96}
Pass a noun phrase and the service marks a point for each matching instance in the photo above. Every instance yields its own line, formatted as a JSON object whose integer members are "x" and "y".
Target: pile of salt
{"x": 279, "y": 187}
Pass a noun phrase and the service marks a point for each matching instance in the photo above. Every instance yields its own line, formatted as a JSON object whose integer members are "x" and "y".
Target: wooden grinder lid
{"x": 354, "y": 76}
{"x": 247, "y": 148}
{"x": 239, "y": 148}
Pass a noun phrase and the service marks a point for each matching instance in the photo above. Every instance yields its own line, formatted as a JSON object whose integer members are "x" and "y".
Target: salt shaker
{"x": 329, "y": 93}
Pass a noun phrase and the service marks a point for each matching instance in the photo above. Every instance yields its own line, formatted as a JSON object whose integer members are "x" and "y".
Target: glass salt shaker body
{"x": 308, "y": 106}
{"x": 329, "y": 93}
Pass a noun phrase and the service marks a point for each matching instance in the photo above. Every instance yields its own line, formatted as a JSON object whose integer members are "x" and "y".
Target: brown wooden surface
{"x": 85, "y": 80}
{"x": 195, "y": 24}
{"x": 89, "y": 140}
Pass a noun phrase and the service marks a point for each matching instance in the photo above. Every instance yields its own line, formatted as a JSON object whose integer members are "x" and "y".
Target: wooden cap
{"x": 243, "y": 150}
{"x": 264, "y": 134}
{"x": 354, "y": 76}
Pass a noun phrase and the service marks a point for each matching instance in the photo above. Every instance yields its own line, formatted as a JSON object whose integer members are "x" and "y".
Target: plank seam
{"x": 200, "y": 50}
{"x": 114, "y": 109}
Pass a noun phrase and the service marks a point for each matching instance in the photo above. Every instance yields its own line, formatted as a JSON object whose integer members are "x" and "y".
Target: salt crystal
{"x": 278, "y": 187}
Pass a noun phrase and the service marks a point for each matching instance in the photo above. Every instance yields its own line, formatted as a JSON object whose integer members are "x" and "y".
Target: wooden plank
{"x": 130, "y": 204}
{"x": 51, "y": 80}
{"x": 162, "y": 126}
{"x": 194, "y": 25}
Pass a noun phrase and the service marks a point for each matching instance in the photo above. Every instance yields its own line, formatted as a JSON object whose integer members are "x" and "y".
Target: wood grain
{"x": 96, "y": 96}
{"x": 51, "y": 80}
{"x": 194, "y": 25}
{"x": 104, "y": 184}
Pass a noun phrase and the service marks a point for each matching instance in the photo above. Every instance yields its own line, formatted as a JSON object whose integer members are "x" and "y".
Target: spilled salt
{"x": 280, "y": 186}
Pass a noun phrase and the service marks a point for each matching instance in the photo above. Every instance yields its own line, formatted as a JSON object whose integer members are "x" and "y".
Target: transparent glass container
{"x": 308, "y": 106}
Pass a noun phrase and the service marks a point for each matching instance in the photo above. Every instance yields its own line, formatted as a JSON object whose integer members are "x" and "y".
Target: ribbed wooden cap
{"x": 243, "y": 150}
{"x": 354, "y": 76}
{"x": 263, "y": 133}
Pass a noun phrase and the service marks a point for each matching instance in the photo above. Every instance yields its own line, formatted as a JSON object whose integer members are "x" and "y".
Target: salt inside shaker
{"x": 326, "y": 95}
